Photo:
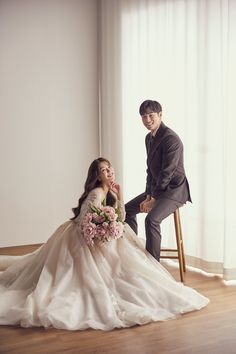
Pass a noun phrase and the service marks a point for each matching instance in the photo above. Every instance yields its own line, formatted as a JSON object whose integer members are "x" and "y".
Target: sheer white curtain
{"x": 110, "y": 87}
{"x": 181, "y": 53}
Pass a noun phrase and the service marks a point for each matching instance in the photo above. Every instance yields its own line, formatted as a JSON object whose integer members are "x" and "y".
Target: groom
{"x": 166, "y": 186}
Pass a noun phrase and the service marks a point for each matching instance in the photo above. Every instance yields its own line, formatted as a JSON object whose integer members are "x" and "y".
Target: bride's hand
{"x": 115, "y": 188}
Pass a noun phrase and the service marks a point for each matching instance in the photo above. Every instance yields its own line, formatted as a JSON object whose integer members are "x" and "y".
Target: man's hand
{"x": 148, "y": 198}
{"x": 147, "y": 205}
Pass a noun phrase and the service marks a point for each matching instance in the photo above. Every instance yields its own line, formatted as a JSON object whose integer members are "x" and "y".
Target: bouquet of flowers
{"x": 102, "y": 225}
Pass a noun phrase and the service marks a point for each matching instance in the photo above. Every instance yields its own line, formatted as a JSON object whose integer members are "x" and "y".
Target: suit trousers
{"x": 162, "y": 208}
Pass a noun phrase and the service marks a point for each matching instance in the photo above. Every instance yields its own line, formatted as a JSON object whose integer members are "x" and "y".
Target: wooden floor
{"x": 210, "y": 330}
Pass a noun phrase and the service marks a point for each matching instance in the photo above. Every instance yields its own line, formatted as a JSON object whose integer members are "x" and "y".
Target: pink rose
{"x": 110, "y": 213}
{"x": 100, "y": 230}
{"x": 116, "y": 229}
{"x": 98, "y": 218}
{"x": 89, "y": 229}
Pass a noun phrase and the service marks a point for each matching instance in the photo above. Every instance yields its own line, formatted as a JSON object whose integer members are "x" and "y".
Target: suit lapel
{"x": 156, "y": 142}
{"x": 149, "y": 143}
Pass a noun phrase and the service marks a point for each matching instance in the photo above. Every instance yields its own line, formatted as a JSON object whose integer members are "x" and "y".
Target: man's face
{"x": 152, "y": 120}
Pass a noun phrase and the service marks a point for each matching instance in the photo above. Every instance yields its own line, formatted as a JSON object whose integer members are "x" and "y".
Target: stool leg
{"x": 179, "y": 243}
{"x": 182, "y": 243}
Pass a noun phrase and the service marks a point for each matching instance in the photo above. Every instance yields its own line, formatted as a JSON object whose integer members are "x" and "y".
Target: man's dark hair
{"x": 150, "y": 106}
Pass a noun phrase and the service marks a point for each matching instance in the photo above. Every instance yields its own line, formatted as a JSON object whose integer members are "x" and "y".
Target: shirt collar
{"x": 153, "y": 134}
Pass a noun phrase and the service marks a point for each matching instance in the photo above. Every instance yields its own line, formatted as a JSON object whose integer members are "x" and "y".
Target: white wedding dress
{"x": 68, "y": 285}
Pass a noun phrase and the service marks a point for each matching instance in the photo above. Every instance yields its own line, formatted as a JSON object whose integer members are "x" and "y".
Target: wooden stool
{"x": 180, "y": 247}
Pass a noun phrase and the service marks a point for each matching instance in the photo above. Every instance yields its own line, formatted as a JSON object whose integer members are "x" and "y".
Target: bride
{"x": 69, "y": 284}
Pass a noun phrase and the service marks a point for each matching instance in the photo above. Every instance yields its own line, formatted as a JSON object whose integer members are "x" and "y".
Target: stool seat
{"x": 180, "y": 247}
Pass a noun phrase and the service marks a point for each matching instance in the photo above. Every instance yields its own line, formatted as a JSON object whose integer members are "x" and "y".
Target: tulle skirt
{"x": 68, "y": 285}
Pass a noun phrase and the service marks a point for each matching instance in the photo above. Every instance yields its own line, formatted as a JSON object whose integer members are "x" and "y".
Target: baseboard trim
{"x": 19, "y": 250}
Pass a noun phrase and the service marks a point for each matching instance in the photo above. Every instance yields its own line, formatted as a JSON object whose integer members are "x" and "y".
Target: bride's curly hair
{"x": 92, "y": 182}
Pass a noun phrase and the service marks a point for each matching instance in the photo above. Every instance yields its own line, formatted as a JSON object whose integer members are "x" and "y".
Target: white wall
{"x": 48, "y": 113}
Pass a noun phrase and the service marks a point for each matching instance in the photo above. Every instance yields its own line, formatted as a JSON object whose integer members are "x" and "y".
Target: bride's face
{"x": 106, "y": 175}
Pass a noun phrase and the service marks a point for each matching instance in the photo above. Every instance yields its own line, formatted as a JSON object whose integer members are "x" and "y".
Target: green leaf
{"x": 94, "y": 209}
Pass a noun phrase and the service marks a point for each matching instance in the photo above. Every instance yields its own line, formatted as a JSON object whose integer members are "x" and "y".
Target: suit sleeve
{"x": 149, "y": 177}
{"x": 172, "y": 151}
{"x": 148, "y": 183}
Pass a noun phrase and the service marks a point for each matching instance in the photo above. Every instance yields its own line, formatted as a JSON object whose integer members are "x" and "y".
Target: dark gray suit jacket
{"x": 165, "y": 168}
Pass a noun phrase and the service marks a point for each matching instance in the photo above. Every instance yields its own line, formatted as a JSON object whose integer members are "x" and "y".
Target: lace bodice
{"x": 96, "y": 198}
